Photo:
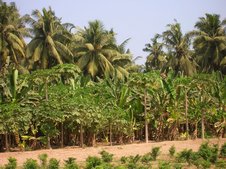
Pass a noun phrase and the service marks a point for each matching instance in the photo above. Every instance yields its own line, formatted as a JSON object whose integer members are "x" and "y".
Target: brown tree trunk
{"x": 62, "y": 135}
{"x": 81, "y": 136}
{"x": 203, "y": 126}
{"x": 196, "y": 130}
{"x": 145, "y": 116}
{"x": 110, "y": 134}
{"x": 6, "y": 142}
{"x": 186, "y": 115}
{"x": 48, "y": 142}
{"x": 94, "y": 140}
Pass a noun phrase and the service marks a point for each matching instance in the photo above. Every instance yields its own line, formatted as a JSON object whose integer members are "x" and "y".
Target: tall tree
{"x": 12, "y": 31}
{"x": 210, "y": 43}
{"x": 156, "y": 58}
{"x": 49, "y": 46}
{"x": 95, "y": 50}
{"x": 180, "y": 59}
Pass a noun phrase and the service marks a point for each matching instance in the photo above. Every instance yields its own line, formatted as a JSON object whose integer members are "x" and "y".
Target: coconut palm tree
{"x": 49, "y": 46}
{"x": 180, "y": 59}
{"x": 156, "y": 58}
{"x": 95, "y": 50}
{"x": 210, "y": 43}
{"x": 12, "y": 31}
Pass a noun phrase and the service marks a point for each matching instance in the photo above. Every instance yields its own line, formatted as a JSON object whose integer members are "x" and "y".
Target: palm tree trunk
{"x": 186, "y": 115}
{"x": 62, "y": 135}
{"x": 81, "y": 136}
{"x": 203, "y": 126}
{"x": 6, "y": 142}
{"x": 145, "y": 116}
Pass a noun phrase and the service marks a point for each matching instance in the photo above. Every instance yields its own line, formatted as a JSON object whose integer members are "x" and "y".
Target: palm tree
{"x": 49, "y": 46}
{"x": 156, "y": 58}
{"x": 210, "y": 43}
{"x": 12, "y": 31}
{"x": 95, "y": 50}
{"x": 180, "y": 59}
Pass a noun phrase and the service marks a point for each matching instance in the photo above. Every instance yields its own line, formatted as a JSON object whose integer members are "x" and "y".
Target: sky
{"x": 139, "y": 20}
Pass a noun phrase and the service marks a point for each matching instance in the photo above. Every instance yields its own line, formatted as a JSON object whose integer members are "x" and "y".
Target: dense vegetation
{"x": 77, "y": 87}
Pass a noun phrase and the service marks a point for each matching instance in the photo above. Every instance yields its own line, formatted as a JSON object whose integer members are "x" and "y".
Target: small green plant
{"x": 185, "y": 156}
{"x": 223, "y": 151}
{"x": 12, "y": 163}
{"x": 43, "y": 160}
{"x": 70, "y": 163}
{"x": 53, "y": 164}
{"x": 123, "y": 159}
{"x": 172, "y": 151}
{"x": 92, "y": 162}
{"x": 221, "y": 164}
{"x": 155, "y": 151}
{"x": 106, "y": 157}
{"x": 134, "y": 159}
{"x": 104, "y": 166}
{"x": 177, "y": 166}
{"x": 30, "y": 164}
{"x": 146, "y": 158}
{"x": 208, "y": 153}
{"x": 164, "y": 165}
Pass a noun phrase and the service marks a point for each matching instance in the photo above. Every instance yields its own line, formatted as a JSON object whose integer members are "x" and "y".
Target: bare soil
{"x": 120, "y": 150}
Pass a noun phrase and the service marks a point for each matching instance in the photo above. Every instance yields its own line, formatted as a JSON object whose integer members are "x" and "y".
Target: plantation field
{"x": 120, "y": 150}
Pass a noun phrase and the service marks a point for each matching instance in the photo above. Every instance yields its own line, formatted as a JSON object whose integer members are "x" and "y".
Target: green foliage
{"x": 53, "y": 164}
{"x": 123, "y": 159}
{"x": 12, "y": 163}
{"x": 223, "y": 151}
{"x": 185, "y": 155}
{"x": 30, "y": 164}
{"x": 92, "y": 162}
{"x": 208, "y": 153}
{"x": 70, "y": 163}
{"x": 43, "y": 160}
{"x": 146, "y": 158}
{"x": 155, "y": 151}
{"x": 106, "y": 157}
{"x": 177, "y": 166}
{"x": 221, "y": 164}
{"x": 172, "y": 151}
{"x": 164, "y": 165}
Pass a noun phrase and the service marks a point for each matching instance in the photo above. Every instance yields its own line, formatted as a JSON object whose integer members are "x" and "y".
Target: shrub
{"x": 134, "y": 159}
{"x": 146, "y": 158}
{"x": 164, "y": 165}
{"x": 106, "y": 157}
{"x": 208, "y": 153}
{"x": 172, "y": 151}
{"x": 43, "y": 160}
{"x": 104, "y": 166}
{"x": 123, "y": 159}
{"x": 201, "y": 163}
{"x": 155, "y": 151}
{"x": 223, "y": 151}
{"x": 177, "y": 166}
{"x": 221, "y": 164}
{"x": 53, "y": 164}
{"x": 70, "y": 163}
{"x": 12, "y": 163}
{"x": 30, "y": 164}
{"x": 185, "y": 155}
{"x": 92, "y": 162}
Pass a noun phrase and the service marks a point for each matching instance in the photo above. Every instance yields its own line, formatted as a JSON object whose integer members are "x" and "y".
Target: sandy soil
{"x": 121, "y": 150}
